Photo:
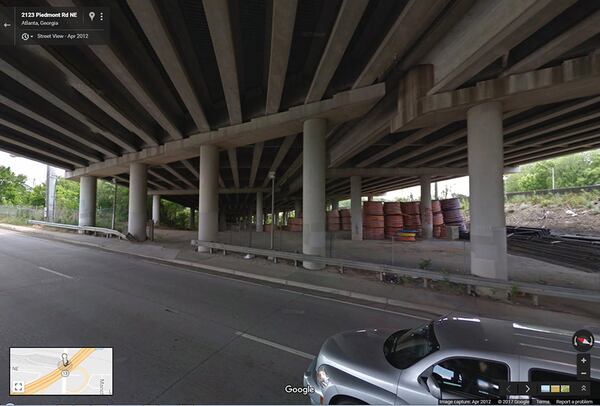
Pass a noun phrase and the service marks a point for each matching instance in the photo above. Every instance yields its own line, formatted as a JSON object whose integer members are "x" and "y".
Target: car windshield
{"x": 405, "y": 347}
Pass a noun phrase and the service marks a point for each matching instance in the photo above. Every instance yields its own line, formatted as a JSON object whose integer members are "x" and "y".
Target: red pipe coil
{"x": 390, "y": 208}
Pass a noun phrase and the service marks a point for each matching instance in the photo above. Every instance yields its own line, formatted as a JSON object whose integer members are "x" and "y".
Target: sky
{"x": 35, "y": 171}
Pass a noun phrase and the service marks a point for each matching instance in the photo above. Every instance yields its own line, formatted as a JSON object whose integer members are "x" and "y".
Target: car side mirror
{"x": 433, "y": 385}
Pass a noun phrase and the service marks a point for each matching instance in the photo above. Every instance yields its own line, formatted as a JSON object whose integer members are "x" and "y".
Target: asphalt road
{"x": 179, "y": 336}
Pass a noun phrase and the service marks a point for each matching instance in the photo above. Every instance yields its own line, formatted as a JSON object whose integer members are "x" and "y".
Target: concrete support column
{"x": 356, "y": 207}
{"x": 426, "y": 214}
{"x": 87, "y": 201}
{"x": 138, "y": 188}
{"x": 335, "y": 204}
{"x": 156, "y": 209}
{"x": 488, "y": 224}
{"x": 260, "y": 219}
{"x": 298, "y": 208}
{"x": 222, "y": 220}
{"x": 313, "y": 190}
{"x": 208, "y": 202}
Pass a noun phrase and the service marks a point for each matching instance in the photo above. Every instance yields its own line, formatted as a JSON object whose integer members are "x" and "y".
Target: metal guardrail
{"x": 468, "y": 280}
{"x": 101, "y": 230}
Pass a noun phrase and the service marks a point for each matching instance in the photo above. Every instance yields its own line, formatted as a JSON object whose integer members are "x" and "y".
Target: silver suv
{"x": 454, "y": 357}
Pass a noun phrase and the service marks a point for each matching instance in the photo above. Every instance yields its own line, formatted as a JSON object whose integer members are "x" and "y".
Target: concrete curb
{"x": 280, "y": 281}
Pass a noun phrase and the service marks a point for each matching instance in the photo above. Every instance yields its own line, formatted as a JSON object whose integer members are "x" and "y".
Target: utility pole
{"x": 553, "y": 183}
{"x": 114, "y": 205}
{"x": 272, "y": 177}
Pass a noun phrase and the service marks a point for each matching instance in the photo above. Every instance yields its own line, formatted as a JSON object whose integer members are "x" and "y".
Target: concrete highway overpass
{"x": 199, "y": 101}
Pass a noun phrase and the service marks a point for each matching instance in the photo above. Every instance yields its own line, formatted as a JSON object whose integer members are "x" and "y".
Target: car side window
{"x": 471, "y": 378}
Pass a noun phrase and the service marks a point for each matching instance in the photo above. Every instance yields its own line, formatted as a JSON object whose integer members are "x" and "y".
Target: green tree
{"x": 13, "y": 189}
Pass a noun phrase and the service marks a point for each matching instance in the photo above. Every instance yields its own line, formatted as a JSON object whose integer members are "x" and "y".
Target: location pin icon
{"x": 92, "y": 15}
{"x": 65, "y": 360}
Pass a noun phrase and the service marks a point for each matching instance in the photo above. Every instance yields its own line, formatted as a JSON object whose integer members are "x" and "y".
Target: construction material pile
{"x": 373, "y": 221}
{"x": 579, "y": 252}
{"x": 345, "y": 220}
{"x": 393, "y": 220}
{"x": 294, "y": 224}
{"x": 452, "y": 213}
{"x": 412, "y": 216}
{"x": 439, "y": 230}
{"x": 333, "y": 220}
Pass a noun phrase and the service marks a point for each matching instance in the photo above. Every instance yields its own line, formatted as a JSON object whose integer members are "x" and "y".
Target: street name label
{"x": 61, "y": 371}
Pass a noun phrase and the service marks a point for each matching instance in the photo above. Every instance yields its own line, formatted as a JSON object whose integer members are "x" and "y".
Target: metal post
{"x": 553, "y": 184}
{"x": 114, "y": 205}
{"x": 272, "y": 176}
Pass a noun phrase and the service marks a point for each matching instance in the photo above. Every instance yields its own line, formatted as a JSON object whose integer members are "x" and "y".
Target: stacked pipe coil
{"x": 333, "y": 220}
{"x": 452, "y": 212}
{"x": 412, "y": 216}
{"x": 345, "y": 220}
{"x": 438, "y": 218}
{"x": 373, "y": 221}
{"x": 393, "y": 221}
{"x": 295, "y": 224}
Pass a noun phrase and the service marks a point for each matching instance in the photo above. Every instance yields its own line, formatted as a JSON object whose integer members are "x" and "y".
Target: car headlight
{"x": 322, "y": 377}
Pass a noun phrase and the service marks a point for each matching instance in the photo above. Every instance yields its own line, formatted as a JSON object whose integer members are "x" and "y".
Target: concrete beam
{"x": 487, "y": 32}
{"x": 282, "y": 32}
{"x": 162, "y": 179}
{"x": 48, "y": 140}
{"x": 157, "y": 33}
{"x": 553, "y": 49}
{"x": 291, "y": 170}
{"x": 190, "y": 168}
{"x": 572, "y": 79}
{"x": 56, "y": 126}
{"x": 219, "y": 24}
{"x": 256, "y": 155}
{"x": 94, "y": 96}
{"x": 195, "y": 191}
{"x": 69, "y": 162}
{"x": 413, "y": 21}
{"x": 281, "y": 153}
{"x": 38, "y": 88}
{"x": 178, "y": 175}
{"x": 347, "y": 20}
{"x": 393, "y": 172}
{"x": 342, "y": 107}
{"x": 233, "y": 163}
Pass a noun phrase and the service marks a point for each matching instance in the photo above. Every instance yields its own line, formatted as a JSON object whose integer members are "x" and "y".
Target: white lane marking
{"x": 361, "y": 305}
{"x": 275, "y": 345}
{"x": 54, "y": 272}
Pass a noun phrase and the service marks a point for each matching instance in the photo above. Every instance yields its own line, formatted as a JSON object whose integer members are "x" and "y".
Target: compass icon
{"x": 583, "y": 340}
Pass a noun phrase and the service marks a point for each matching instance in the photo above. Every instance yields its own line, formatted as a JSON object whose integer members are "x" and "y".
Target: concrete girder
{"x": 162, "y": 178}
{"x": 233, "y": 163}
{"x": 49, "y": 141}
{"x": 487, "y": 32}
{"x": 56, "y": 127}
{"x": 219, "y": 25}
{"x": 190, "y": 167}
{"x": 157, "y": 33}
{"x": 406, "y": 141}
{"x": 195, "y": 191}
{"x": 574, "y": 78}
{"x": 553, "y": 49}
{"x": 415, "y": 18}
{"x": 347, "y": 20}
{"x": 43, "y": 152}
{"x": 281, "y": 153}
{"x": 291, "y": 170}
{"x": 342, "y": 107}
{"x": 392, "y": 172}
{"x": 42, "y": 91}
{"x": 94, "y": 96}
{"x": 177, "y": 175}
{"x": 256, "y": 155}
{"x": 282, "y": 32}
